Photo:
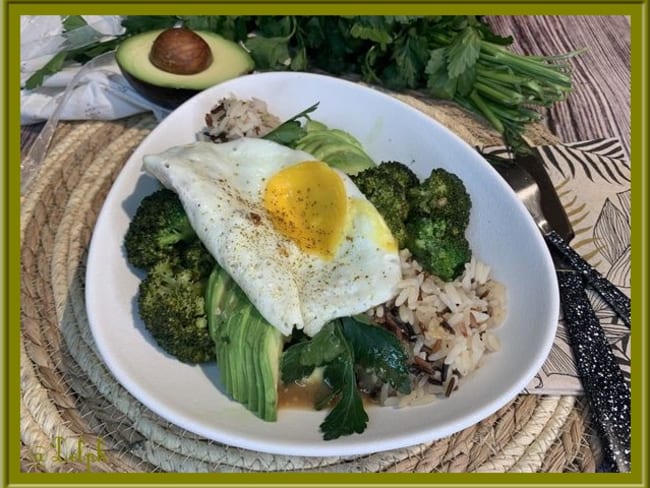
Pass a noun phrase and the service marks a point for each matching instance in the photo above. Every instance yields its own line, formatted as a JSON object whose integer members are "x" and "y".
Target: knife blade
{"x": 532, "y": 163}
{"x": 552, "y": 207}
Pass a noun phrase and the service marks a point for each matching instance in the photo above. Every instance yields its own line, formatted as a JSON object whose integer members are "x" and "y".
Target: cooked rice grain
{"x": 454, "y": 324}
{"x": 232, "y": 118}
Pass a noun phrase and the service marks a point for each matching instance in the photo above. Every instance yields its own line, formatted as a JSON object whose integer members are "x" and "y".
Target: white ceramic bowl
{"x": 501, "y": 234}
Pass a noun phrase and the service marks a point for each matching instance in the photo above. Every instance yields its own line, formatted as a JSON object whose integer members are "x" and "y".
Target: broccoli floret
{"x": 442, "y": 194}
{"x": 440, "y": 209}
{"x": 440, "y": 247}
{"x": 390, "y": 201}
{"x": 159, "y": 224}
{"x": 195, "y": 257}
{"x": 398, "y": 172}
{"x": 172, "y": 306}
{"x": 171, "y": 299}
{"x": 386, "y": 187}
{"x": 428, "y": 218}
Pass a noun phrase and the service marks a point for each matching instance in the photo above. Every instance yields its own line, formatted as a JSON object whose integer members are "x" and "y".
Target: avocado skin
{"x": 169, "y": 98}
{"x": 132, "y": 57}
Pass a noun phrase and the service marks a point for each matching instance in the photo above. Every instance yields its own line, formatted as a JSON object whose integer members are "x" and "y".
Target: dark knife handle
{"x": 616, "y": 299}
{"x": 599, "y": 370}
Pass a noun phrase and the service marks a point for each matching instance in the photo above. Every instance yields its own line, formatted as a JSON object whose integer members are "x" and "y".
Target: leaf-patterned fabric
{"x": 592, "y": 179}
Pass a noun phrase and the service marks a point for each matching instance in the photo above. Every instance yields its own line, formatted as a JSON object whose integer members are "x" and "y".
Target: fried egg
{"x": 298, "y": 236}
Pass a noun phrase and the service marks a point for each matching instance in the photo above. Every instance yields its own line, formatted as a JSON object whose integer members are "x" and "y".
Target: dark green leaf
{"x": 72, "y": 22}
{"x": 410, "y": 55}
{"x": 53, "y": 66}
{"x": 323, "y": 347}
{"x": 439, "y": 83}
{"x": 291, "y": 367}
{"x": 287, "y": 134}
{"x": 211, "y": 23}
{"x": 488, "y": 35}
{"x": 270, "y": 48}
{"x": 269, "y": 52}
{"x": 437, "y": 62}
{"x": 233, "y": 27}
{"x": 291, "y": 130}
{"x": 134, "y": 24}
{"x": 304, "y": 356}
{"x": 372, "y": 28}
{"x": 275, "y": 26}
{"x": 403, "y": 19}
{"x": 348, "y": 415}
{"x": 377, "y": 349}
{"x": 463, "y": 52}
{"x": 311, "y": 31}
{"x": 466, "y": 82}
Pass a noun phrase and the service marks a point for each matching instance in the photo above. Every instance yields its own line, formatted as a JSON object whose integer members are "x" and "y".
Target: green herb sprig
{"x": 340, "y": 347}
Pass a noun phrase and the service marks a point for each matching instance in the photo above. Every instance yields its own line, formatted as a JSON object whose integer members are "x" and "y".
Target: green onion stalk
{"x": 508, "y": 88}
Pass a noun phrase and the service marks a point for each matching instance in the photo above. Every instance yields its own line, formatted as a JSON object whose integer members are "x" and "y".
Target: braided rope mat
{"x": 70, "y": 402}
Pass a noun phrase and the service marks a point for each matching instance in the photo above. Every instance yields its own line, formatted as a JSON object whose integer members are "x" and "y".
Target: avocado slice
{"x": 248, "y": 348}
{"x": 335, "y": 147}
{"x": 167, "y": 89}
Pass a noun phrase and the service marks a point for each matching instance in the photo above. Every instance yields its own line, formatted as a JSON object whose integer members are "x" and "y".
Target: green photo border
{"x": 10, "y": 190}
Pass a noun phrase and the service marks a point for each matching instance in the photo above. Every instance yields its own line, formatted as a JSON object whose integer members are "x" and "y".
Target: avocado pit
{"x": 180, "y": 51}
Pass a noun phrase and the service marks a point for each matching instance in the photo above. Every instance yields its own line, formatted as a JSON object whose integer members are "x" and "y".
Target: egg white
{"x": 221, "y": 187}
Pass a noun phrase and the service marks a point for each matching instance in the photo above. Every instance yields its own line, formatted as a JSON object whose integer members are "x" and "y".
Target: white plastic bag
{"x": 94, "y": 91}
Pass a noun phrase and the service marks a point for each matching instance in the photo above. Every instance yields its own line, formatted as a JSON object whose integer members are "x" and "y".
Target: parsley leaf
{"x": 270, "y": 47}
{"x": 341, "y": 346}
{"x": 300, "y": 359}
{"x": 463, "y": 52}
{"x": 377, "y": 349}
{"x": 269, "y": 52}
{"x": 134, "y": 24}
{"x": 372, "y": 28}
{"x": 410, "y": 55}
{"x": 291, "y": 130}
{"x": 439, "y": 83}
{"x": 348, "y": 415}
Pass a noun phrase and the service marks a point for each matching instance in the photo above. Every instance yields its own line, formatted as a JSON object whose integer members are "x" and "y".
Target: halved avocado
{"x": 168, "y": 89}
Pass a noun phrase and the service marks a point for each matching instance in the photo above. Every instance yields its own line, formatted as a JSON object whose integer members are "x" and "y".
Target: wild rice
{"x": 232, "y": 118}
{"x": 453, "y": 324}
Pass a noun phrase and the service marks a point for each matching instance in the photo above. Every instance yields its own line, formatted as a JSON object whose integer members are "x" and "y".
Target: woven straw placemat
{"x": 71, "y": 405}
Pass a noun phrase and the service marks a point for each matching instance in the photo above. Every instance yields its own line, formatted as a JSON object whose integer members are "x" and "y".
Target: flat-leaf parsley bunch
{"x": 457, "y": 58}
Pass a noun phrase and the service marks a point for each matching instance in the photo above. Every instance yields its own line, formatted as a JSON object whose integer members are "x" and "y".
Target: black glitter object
{"x": 599, "y": 371}
{"x": 616, "y": 299}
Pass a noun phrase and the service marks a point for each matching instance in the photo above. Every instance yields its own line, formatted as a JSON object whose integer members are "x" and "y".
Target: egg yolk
{"x": 307, "y": 203}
